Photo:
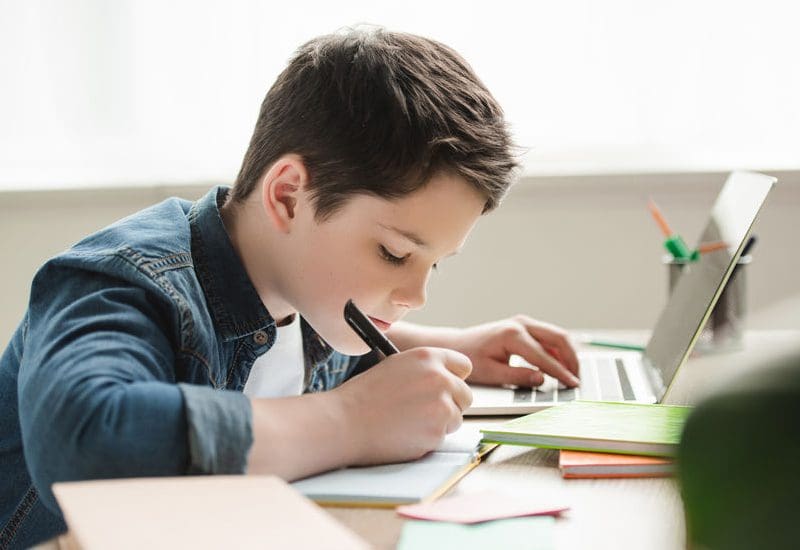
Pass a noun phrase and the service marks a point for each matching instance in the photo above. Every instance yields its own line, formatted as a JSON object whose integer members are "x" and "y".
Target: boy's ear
{"x": 282, "y": 188}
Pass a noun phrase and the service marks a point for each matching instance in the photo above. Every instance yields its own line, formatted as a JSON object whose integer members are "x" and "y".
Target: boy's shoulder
{"x": 135, "y": 248}
{"x": 159, "y": 231}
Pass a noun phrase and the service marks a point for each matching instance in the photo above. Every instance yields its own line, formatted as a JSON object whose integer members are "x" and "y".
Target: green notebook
{"x": 624, "y": 428}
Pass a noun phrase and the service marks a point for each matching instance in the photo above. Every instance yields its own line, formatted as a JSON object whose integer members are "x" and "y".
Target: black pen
{"x": 367, "y": 330}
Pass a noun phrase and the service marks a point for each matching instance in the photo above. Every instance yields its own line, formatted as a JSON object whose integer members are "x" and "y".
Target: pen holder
{"x": 724, "y": 330}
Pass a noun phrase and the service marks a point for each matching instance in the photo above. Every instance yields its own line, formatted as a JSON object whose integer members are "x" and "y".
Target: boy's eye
{"x": 391, "y": 258}
{"x": 398, "y": 260}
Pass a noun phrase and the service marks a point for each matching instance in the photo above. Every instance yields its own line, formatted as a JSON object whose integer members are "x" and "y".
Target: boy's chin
{"x": 348, "y": 345}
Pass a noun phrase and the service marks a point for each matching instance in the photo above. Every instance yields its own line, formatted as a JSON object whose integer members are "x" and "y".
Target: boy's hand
{"x": 543, "y": 345}
{"x": 404, "y": 406}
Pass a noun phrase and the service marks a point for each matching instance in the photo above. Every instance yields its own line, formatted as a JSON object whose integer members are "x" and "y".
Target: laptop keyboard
{"x": 528, "y": 395}
{"x": 608, "y": 375}
{"x": 627, "y": 389}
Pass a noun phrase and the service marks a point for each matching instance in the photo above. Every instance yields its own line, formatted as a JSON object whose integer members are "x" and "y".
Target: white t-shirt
{"x": 280, "y": 371}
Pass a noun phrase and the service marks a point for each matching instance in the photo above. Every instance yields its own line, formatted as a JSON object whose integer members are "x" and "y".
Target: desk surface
{"x": 605, "y": 513}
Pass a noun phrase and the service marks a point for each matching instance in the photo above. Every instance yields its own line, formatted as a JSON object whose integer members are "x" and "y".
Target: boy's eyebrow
{"x": 407, "y": 234}
{"x": 413, "y": 237}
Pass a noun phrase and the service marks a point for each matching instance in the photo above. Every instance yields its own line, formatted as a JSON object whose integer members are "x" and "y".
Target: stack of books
{"x": 601, "y": 439}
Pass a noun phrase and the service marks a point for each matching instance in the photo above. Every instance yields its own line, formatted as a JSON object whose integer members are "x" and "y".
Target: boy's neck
{"x": 252, "y": 240}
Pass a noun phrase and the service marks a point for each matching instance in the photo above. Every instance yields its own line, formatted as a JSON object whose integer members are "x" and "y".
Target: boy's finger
{"x": 551, "y": 337}
{"x": 529, "y": 349}
{"x": 462, "y": 394}
{"x": 502, "y": 373}
{"x": 457, "y": 363}
{"x": 456, "y": 419}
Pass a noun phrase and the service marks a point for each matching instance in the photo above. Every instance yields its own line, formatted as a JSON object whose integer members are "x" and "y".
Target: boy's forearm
{"x": 409, "y": 335}
{"x": 295, "y": 437}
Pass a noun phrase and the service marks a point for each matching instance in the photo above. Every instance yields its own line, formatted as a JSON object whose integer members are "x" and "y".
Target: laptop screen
{"x": 701, "y": 283}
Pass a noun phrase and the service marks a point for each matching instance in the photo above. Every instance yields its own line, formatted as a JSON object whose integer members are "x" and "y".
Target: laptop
{"x": 647, "y": 377}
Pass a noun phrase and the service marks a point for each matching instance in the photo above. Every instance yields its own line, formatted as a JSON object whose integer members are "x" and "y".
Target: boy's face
{"x": 380, "y": 253}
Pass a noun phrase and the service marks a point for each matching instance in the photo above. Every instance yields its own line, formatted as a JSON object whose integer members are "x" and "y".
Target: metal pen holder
{"x": 724, "y": 330}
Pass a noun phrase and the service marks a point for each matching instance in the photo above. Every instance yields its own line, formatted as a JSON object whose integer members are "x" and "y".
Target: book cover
{"x": 173, "y": 512}
{"x": 625, "y": 428}
{"x": 581, "y": 464}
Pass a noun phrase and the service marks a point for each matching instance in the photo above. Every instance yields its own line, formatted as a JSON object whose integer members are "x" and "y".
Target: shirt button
{"x": 260, "y": 337}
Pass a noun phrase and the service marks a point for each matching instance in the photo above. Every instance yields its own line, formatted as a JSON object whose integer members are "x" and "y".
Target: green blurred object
{"x": 676, "y": 246}
{"x": 739, "y": 462}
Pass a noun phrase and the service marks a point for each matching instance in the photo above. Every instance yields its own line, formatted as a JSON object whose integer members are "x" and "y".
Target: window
{"x": 104, "y": 93}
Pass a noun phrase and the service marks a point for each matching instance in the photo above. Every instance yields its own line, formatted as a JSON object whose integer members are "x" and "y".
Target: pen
{"x": 615, "y": 345}
{"x": 367, "y": 330}
{"x": 673, "y": 243}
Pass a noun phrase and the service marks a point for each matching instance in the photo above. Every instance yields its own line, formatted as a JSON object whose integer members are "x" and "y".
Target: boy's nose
{"x": 413, "y": 294}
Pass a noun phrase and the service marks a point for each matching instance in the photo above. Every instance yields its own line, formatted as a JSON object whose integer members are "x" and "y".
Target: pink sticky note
{"x": 478, "y": 507}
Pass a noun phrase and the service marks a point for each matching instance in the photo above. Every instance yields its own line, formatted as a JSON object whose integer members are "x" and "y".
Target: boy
{"x": 372, "y": 158}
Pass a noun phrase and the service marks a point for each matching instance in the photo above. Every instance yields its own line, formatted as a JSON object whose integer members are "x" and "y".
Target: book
{"x": 580, "y": 464}
{"x": 389, "y": 485}
{"x": 624, "y": 428}
{"x": 173, "y": 512}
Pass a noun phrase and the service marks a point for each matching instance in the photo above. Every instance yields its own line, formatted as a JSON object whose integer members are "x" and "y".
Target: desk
{"x": 605, "y": 513}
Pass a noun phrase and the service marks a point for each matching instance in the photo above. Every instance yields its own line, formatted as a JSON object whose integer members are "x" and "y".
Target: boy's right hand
{"x": 404, "y": 406}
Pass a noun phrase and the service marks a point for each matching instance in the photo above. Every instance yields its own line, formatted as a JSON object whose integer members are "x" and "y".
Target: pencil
{"x": 659, "y": 217}
{"x": 705, "y": 248}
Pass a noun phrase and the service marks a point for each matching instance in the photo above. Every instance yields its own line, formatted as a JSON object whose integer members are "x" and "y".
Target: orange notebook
{"x": 579, "y": 464}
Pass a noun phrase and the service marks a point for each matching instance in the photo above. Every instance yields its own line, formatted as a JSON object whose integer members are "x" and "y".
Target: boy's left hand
{"x": 543, "y": 345}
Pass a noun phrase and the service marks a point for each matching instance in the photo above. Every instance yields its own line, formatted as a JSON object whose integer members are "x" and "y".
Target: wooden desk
{"x": 605, "y": 513}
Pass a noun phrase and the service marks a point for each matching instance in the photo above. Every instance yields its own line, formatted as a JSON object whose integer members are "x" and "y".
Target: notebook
{"x": 170, "y": 512}
{"x": 647, "y": 377}
{"x": 624, "y": 428}
{"x": 389, "y": 485}
{"x": 533, "y": 533}
{"x": 581, "y": 465}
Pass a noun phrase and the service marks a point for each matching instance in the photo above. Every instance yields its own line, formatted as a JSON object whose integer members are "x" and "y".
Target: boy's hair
{"x": 376, "y": 112}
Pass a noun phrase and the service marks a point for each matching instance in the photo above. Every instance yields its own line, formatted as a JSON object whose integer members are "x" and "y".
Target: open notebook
{"x": 389, "y": 485}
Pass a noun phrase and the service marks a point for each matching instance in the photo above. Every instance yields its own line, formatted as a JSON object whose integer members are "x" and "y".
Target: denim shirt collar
{"x": 233, "y": 301}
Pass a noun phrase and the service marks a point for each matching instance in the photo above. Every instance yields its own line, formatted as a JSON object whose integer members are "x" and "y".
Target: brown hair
{"x": 378, "y": 112}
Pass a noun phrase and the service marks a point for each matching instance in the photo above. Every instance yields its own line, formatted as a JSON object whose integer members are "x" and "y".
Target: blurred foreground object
{"x": 739, "y": 461}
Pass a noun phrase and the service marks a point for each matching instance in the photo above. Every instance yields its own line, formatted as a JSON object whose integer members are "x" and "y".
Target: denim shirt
{"x": 130, "y": 361}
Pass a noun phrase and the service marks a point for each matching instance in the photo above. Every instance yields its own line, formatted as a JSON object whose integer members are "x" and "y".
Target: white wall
{"x": 578, "y": 251}
{"x": 109, "y": 92}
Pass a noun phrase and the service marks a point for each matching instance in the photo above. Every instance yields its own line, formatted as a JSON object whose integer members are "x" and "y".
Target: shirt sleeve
{"x": 97, "y": 389}
{"x": 220, "y": 429}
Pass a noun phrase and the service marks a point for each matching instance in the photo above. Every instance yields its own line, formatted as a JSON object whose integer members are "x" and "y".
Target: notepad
{"x": 579, "y": 464}
{"x": 175, "y": 512}
{"x": 625, "y": 428}
{"x": 481, "y": 507}
{"x": 389, "y": 485}
{"x": 534, "y": 533}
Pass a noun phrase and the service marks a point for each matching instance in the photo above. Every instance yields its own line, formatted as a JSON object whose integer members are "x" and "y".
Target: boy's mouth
{"x": 382, "y": 325}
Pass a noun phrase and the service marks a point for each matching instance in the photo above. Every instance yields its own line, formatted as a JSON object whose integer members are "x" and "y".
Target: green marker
{"x": 615, "y": 345}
